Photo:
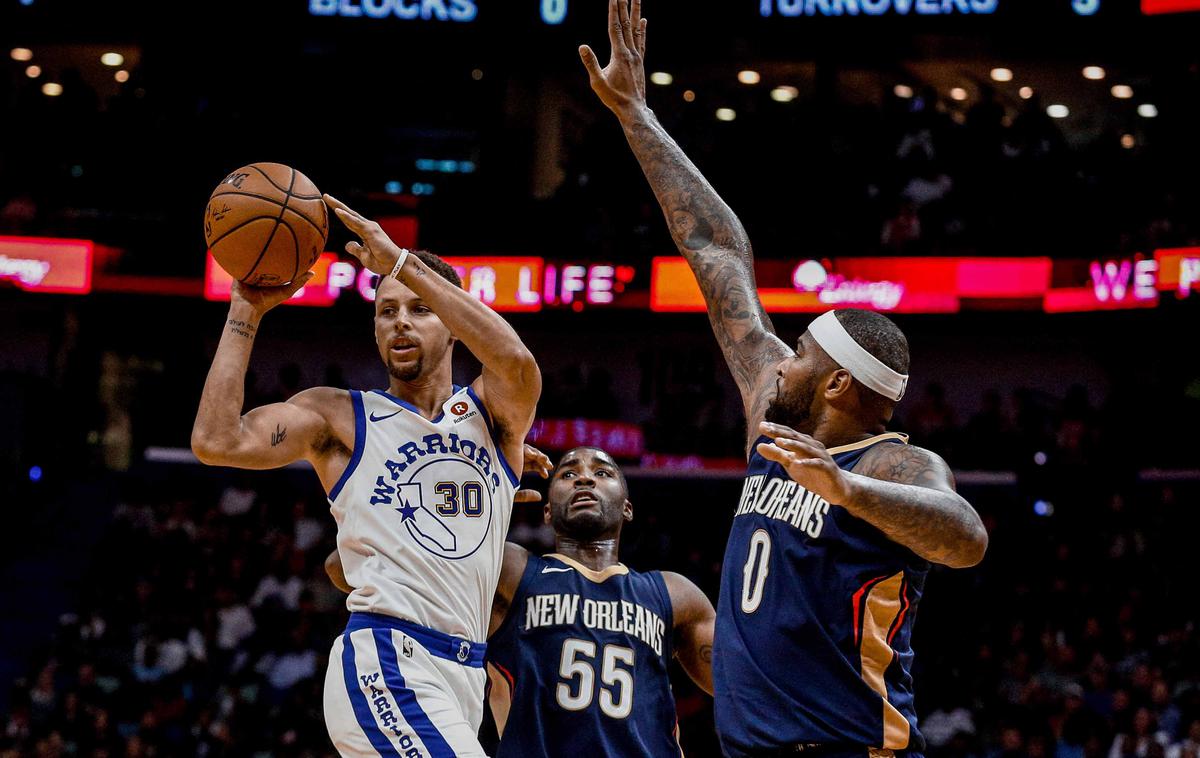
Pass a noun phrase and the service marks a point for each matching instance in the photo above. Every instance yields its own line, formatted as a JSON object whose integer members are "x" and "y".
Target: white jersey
{"x": 423, "y": 511}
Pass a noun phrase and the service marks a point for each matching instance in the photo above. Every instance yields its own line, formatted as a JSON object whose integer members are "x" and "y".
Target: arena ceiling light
{"x": 726, "y": 114}
{"x": 902, "y": 91}
{"x": 1122, "y": 91}
{"x": 749, "y": 77}
{"x": 784, "y": 94}
{"x": 1002, "y": 75}
{"x": 1025, "y": 93}
{"x": 52, "y": 89}
{"x": 112, "y": 59}
{"x": 1148, "y": 110}
{"x": 1058, "y": 111}
{"x": 33, "y": 72}
{"x": 958, "y": 93}
{"x": 21, "y": 54}
{"x": 1095, "y": 73}
{"x": 689, "y": 96}
{"x": 121, "y": 76}
{"x": 661, "y": 78}
{"x": 1128, "y": 141}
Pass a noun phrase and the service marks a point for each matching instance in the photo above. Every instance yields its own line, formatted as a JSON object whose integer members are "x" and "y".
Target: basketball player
{"x": 579, "y": 644}
{"x": 418, "y": 481}
{"x": 839, "y": 520}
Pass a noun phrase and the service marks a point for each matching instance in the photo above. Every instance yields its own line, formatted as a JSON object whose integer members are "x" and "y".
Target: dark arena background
{"x": 1015, "y": 182}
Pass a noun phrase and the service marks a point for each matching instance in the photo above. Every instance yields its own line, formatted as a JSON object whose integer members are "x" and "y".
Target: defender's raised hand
{"x": 536, "y": 462}
{"x": 621, "y": 84}
{"x": 806, "y": 461}
{"x": 377, "y": 252}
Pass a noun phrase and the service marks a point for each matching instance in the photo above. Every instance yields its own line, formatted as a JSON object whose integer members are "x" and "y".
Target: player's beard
{"x": 582, "y": 527}
{"x": 406, "y": 372}
{"x": 793, "y": 407}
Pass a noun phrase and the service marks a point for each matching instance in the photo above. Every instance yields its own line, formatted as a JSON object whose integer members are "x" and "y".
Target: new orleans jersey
{"x": 814, "y": 622}
{"x": 422, "y": 512}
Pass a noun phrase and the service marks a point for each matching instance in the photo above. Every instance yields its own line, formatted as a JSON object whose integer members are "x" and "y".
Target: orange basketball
{"x": 266, "y": 224}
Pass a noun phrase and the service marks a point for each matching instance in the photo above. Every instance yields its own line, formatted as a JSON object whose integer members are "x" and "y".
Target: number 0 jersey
{"x": 814, "y": 621}
{"x": 579, "y": 666}
{"x": 422, "y": 512}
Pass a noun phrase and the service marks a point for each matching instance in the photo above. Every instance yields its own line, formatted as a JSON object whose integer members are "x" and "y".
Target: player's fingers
{"x": 779, "y": 430}
{"x": 616, "y": 35}
{"x": 355, "y": 249}
{"x": 773, "y": 452}
{"x": 527, "y": 496}
{"x": 352, "y": 222}
{"x": 640, "y": 35}
{"x": 589, "y": 62}
{"x": 626, "y": 25}
{"x": 800, "y": 446}
{"x": 299, "y": 282}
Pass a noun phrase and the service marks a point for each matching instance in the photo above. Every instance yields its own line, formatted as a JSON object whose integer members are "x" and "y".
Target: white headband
{"x": 866, "y": 368}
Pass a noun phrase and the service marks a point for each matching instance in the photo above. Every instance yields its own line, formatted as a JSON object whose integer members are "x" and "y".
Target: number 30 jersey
{"x": 422, "y": 512}
{"x": 579, "y": 666}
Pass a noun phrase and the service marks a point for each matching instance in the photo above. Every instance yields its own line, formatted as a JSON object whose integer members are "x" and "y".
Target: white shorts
{"x": 398, "y": 689}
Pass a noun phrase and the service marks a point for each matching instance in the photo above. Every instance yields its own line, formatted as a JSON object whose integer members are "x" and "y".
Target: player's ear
{"x": 627, "y": 511}
{"x": 546, "y": 513}
{"x": 838, "y": 384}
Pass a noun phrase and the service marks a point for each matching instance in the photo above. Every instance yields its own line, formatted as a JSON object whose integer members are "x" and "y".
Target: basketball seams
{"x": 286, "y": 191}
{"x": 283, "y": 209}
{"x": 273, "y": 201}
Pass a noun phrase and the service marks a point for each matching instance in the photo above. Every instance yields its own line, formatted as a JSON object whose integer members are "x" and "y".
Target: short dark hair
{"x": 440, "y": 267}
{"x": 878, "y": 335}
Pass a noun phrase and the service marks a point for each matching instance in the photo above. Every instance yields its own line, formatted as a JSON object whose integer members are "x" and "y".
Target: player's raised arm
{"x": 511, "y": 382}
{"x": 904, "y": 491}
{"x": 706, "y": 231}
{"x": 694, "y": 620}
{"x": 270, "y": 436}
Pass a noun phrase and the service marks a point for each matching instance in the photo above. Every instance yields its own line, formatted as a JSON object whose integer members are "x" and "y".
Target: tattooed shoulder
{"x": 906, "y": 464}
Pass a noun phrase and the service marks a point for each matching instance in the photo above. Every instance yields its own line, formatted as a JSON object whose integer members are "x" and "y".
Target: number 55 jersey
{"x": 579, "y": 666}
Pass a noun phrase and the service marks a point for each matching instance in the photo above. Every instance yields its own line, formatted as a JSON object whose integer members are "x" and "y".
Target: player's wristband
{"x": 399, "y": 265}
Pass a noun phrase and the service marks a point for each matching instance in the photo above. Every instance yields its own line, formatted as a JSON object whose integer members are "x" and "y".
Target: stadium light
{"x": 121, "y": 76}
{"x": 726, "y": 114}
{"x": 1058, "y": 111}
{"x": 1095, "y": 73}
{"x": 52, "y": 89}
{"x": 112, "y": 59}
{"x": 958, "y": 93}
{"x": 749, "y": 77}
{"x": 1002, "y": 74}
{"x": 1122, "y": 91}
{"x": 1148, "y": 110}
{"x": 902, "y": 91}
{"x": 21, "y": 54}
{"x": 661, "y": 78}
{"x": 784, "y": 94}
{"x": 689, "y": 96}
{"x": 33, "y": 71}
{"x": 1025, "y": 93}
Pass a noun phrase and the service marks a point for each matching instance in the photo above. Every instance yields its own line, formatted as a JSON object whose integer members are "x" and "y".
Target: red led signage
{"x": 47, "y": 265}
{"x": 1152, "y": 7}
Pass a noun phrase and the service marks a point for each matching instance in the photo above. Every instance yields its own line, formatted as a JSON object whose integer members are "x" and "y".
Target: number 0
{"x": 754, "y": 573}
{"x": 554, "y": 11}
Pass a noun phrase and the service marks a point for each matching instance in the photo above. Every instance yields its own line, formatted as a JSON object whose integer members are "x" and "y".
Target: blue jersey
{"x": 579, "y": 666}
{"x": 814, "y": 621}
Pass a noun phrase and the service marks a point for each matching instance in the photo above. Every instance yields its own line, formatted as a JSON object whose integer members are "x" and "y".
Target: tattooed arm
{"x": 316, "y": 425}
{"x": 694, "y": 618}
{"x": 904, "y": 491}
{"x": 706, "y": 231}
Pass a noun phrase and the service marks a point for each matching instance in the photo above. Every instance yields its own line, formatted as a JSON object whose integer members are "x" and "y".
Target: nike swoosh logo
{"x": 383, "y": 418}
{"x": 551, "y": 570}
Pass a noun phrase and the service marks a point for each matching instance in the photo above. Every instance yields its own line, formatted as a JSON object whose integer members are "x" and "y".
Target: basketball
{"x": 266, "y": 224}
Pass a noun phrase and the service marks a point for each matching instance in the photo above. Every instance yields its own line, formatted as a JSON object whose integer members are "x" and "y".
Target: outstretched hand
{"x": 377, "y": 252}
{"x": 621, "y": 85}
{"x": 263, "y": 299}
{"x": 806, "y": 461}
{"x": 536, "y": 462}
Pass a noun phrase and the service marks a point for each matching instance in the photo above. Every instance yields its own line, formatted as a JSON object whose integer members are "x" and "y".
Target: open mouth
{"x": 403, "y": 349}
{"x": 584, "y": 498}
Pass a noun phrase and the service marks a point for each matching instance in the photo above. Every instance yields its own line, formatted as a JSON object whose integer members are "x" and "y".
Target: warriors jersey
{"x": 579, "y": 666}
{"x": 814, "y": 621}
{"x": 422, "y": 512}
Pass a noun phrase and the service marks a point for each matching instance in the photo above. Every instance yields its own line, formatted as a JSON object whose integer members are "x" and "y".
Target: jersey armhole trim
{"x": 360, "y": 441}
{"x": 532, "y": 566}
{"x": 487, "y": 419}
{"x": 661, "y": 582}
